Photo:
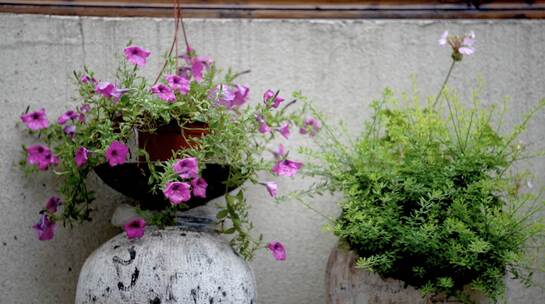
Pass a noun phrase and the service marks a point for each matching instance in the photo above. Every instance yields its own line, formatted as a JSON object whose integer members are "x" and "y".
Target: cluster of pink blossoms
{"x": 178, "y": 192}
{"x": 180, "y": 82}
{"x": 187, "y": 169}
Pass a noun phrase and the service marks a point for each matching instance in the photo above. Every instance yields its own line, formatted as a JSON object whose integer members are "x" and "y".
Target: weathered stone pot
{"x": 171, "y": 265}
{"x": 346, "y": 284}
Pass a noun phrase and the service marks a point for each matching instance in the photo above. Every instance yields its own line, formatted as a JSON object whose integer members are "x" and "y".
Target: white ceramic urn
{"x": 174, "y": 265}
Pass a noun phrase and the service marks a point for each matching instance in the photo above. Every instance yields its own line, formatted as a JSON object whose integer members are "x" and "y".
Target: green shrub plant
{"x": 430, "y": 194}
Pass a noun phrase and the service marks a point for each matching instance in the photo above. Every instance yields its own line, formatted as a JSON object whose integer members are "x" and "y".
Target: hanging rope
{"x": 178, "y": 19}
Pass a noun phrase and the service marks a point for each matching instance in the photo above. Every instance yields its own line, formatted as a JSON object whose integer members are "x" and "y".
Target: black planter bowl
{"x": 131, "y": 179}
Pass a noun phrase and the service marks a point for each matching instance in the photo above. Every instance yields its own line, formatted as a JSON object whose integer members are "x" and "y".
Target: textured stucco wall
{"x": 341, "y": 65}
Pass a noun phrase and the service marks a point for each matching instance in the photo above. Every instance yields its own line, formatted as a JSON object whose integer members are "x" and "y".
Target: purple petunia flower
{"x": 184, "y": 72}
{"x": 268, "y": 99}
{"x": 198, "y": 65}
{"x": 178, "y": 83}
{"x": 116, "y": 154}
{"x": 280, "y": 153}
{"x": 277, "y": 250}
{"x": 45, "y": 228}
{"x": 163, "y": 92}
{"x": 272, "y": 188}
{"x": 40, "y": 156}
{"x": 222, "y": 95}
{"x": 311, "y": 125}
{"x": 177, "y": 192}
{"x": 286, "y": 167}
{"x": 70, "y": 131}
{"x": 136, "y": 55}
{"x": 263, "y": 126}
{"x": 84, "y": 108}
{"x": 68, "y": 115}
{"x": 81, "y": 156}
{"x": 53, "y": 204}
{"x": 187, "y": 167}
{"x": 284, "y": 129}
{"x": 135, "y": 228}
{"x": 199, "y": 187}
{"x": 36, "y": 120}
{"x": 241, "y": 95}
{"x": 87, "y": 79}
{"x": 109, "y": 90}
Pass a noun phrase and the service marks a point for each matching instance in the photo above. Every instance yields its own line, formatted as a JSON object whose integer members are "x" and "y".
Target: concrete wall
{"x": 341, "y": 65}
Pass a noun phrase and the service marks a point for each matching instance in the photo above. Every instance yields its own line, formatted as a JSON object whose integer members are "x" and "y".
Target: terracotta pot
{"x": 169, "y": 138}
{"x": 346, "y": 284}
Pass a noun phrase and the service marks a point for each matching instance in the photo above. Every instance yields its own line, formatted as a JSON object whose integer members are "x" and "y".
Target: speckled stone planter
{"x": 171, "y": 265}
{"x": 347, "y": 284}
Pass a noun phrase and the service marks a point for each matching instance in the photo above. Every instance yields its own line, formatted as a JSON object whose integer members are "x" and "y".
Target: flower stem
{"x": 444, "y": 83}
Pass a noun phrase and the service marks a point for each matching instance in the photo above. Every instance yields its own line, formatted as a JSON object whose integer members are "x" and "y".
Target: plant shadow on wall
{"x": 430, "y": 194}
{"x": 198, "y": 138}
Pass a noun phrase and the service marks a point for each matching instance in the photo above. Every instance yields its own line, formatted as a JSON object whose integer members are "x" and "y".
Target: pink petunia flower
{"x": 198, "y": 65}
{"x": 222, "y": 95}
{"x": 84, "y": 108}
{"x": 187, "y": 167}
{"x": 184, "y": 72}
{"x": 277, "y": 250}
{"x": 81, "y": 156}
{"x": 199, "y": 187}
{"x": 70, "y": 131}
{"x": 36, "y": 120}
{"x": 178, "y": 83}
{"x": 272, "y": 188}
{"x": 163, "y": 92}
{"x": 53, "y": 204}
{"x": 284, "y": 129}
{"x": 286, "y": 167}
{"x": 241, "y": 95}
{"x": 263, "y": 126}
{"x": 40, "y": 156}
{"x": 268, "y": 99}
{"x": 311, "y": 125}
{"x": 87, "y": 79}
{"x": 135, "y": 228}
{"x": 177, "y": 192}
{"x": 109, "y": 90}
{"x": 68, "y": 115}
{"x": 280, "y": 153}
{"x": 136, "y": 55}
{"x": 45, "y": 228}
{"x": 116, "y": 153}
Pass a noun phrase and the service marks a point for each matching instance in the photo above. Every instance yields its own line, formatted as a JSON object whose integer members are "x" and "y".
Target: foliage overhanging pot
{"x": 131, "y": 178}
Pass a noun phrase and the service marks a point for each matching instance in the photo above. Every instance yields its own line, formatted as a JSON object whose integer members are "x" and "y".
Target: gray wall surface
{"x": 340, "y": 64}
